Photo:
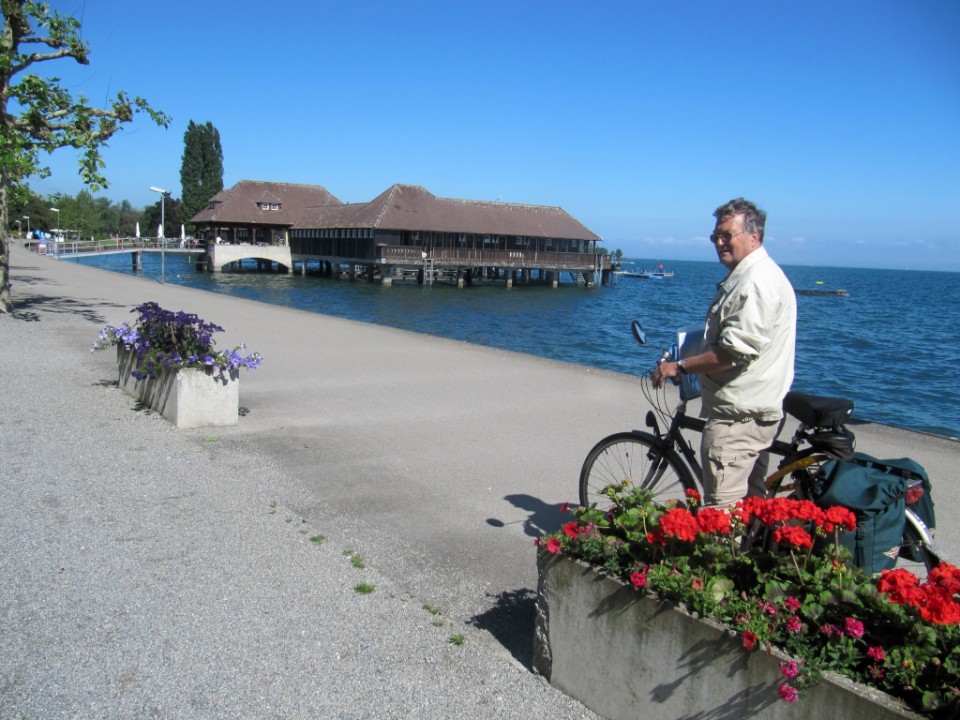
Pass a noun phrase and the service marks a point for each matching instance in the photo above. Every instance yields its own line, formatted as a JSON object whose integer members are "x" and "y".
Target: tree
{"x": 38, "y": 115}
{"x": 201, "y": 170}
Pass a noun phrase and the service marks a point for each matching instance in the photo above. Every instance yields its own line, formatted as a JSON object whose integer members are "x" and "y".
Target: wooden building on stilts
{"x": 406, "y": 234}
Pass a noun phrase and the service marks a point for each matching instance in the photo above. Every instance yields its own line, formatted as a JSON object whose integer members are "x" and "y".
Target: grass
{"x": 364, "y": 588}
{"x": 457, "y": 639}
{"x": 355, "y": 559}
{"x": 318, "y": 539}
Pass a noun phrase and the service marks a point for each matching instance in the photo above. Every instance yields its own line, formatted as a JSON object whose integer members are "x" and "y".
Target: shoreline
{"x": 613, "y": 363}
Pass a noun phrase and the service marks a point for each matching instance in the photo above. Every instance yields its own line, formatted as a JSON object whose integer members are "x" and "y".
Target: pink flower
{"x": 793, "y": 624}
{"x": 767, "y": 607}
{"x": 829, "y": 629}
{"x": 853, "y": 627}
{"x": 564, "y": 507}
{"x": 553, "y": 545}
{"x": 788, "y": 693}
{"x": 876, "y": 654}
{"x": 789, "y": 669}
{"x": 791, "y": 603}
{"x": 638, "y": 579}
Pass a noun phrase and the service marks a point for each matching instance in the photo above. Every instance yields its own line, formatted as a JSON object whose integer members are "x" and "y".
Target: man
{"x": 746, "y": 366}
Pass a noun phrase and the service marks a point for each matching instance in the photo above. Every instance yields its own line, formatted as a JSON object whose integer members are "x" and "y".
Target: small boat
{"x": 658, "y": 274}
{"x": 822, "y": 291}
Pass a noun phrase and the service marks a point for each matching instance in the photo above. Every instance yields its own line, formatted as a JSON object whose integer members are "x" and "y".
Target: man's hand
{"x": 663, "y": 372}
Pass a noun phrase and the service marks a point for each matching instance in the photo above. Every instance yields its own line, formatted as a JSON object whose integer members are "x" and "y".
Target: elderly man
{"x": 746, "y": 363}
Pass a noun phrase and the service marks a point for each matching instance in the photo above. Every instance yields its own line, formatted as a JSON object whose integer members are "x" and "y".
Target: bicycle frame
{"x": 681, "y": 421}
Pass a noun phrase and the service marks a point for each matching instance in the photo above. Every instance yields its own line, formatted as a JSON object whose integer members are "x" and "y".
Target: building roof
{"x": 411, "y": 207}
{"x": 242, "y": 203}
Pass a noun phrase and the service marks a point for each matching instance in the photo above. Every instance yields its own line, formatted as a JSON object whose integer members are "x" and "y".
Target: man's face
{"x": 731, "y": 242}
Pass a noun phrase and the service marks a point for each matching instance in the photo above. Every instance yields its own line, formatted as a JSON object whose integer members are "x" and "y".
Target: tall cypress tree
{"x": 201, "y": 170}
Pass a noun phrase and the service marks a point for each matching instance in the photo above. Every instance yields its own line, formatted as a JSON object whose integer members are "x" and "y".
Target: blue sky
{"x": 841, "y": 118}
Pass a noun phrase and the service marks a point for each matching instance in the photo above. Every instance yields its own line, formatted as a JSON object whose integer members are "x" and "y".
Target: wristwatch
{"x": 682, "y": 364}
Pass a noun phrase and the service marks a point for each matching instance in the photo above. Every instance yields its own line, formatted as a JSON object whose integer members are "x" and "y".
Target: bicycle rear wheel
{"x": 918, "y": 553}
{"x": 639, "y": 458}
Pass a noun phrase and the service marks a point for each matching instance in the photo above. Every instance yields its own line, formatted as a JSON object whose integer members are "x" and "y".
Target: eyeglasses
{"x": 725, "y": 236}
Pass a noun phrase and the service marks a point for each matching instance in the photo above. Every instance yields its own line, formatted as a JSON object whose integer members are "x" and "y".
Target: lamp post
{"x": 58, "y": 228}
{"x": 27, "y": 218}
{"x": 19, "y": 228}
{"x": 163, "y": 221}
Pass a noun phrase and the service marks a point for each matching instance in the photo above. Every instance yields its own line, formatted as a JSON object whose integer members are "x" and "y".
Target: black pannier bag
{"x": 878, "y": 499}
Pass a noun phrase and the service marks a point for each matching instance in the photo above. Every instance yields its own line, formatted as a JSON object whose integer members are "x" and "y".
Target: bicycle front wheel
{"x": 639, "y": 458}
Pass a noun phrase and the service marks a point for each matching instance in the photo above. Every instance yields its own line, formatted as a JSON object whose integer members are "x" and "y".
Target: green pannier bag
{"x": 919, "y": 497}
{"x": 877, "y": 497}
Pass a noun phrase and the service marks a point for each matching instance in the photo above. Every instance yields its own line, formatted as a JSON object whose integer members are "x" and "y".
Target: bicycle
{"x": 666, "y": 463}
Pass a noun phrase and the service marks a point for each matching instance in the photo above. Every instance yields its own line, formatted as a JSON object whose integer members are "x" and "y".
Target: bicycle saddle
{"x": 816, "y": 411}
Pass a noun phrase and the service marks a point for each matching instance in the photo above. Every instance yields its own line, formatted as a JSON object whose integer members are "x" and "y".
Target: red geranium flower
{"x": 571, "y": 529}
{"x": 901, "y": 585}
{"x": 749, "y": 639}
{"x": 793, "y": 535}
{"x": 679, "y": 523}
{"x": 712, "y": 520}
{"x": 553, "y": 545}
{"x": 839, "y": 516}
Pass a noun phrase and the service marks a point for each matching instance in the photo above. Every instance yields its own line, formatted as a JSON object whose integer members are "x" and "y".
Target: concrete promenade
{"x": 150, "y": 572}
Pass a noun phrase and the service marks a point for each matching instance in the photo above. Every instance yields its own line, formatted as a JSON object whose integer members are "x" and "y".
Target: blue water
{"x": 892, "y": 345}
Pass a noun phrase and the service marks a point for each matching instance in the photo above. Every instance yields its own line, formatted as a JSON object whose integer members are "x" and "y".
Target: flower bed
{"x": 167, "y": 361}
{"x": 629, "y": 655}
{"x": 753, "y": 570}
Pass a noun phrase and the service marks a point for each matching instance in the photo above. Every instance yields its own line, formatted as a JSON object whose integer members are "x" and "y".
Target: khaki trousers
{"x": 733, "y": 464}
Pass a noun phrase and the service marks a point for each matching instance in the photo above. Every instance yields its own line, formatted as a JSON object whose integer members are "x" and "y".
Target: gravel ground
{"x": 152, "y": 573}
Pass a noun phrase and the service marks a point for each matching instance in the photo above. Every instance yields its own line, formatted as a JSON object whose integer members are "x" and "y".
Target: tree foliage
{"x": 201, "y": 170}
{"x": 85, "y": 216}
{"x": 37, "y": 115}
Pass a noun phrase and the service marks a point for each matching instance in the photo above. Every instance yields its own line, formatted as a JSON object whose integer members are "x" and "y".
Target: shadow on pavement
{"x": 512, "y": 621}
{"x": 28, "y": 309}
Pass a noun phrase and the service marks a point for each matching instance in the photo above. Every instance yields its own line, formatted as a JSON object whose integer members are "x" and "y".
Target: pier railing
{"x": 113, "y": 245}
{"x": 392, "y": 255}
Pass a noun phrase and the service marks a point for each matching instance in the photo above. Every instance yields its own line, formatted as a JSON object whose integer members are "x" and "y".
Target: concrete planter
{"x": 188, "y": 398}
{"x": 626, "y": 655}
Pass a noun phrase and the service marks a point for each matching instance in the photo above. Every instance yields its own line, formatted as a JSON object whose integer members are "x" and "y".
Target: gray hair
{"x": 754, "y": 219}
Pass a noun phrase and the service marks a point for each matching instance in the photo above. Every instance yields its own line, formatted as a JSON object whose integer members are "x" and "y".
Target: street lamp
{"x": 163, "y": 222}
{"x": 57, "y": 211}
{"x": 59, "y": 229}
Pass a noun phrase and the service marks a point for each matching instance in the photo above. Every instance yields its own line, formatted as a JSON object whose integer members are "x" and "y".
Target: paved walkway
{"x": 180, "y": 574}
